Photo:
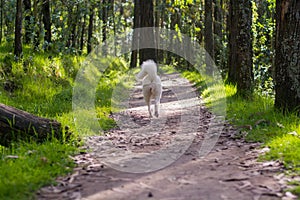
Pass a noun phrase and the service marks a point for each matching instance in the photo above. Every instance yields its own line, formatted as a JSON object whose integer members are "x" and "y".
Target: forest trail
{"x": 229, "y": 171}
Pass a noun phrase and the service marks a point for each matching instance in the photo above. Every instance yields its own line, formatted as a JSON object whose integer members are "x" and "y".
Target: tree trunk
{"x": 1, "y": 20}
{"x": 208, "y": 36}
{"x": 172, "y": 24}
{"x": 287, "y": 59}
{"x": 70, "y": 21}
{"x": 75, "y": 27}
{"x": 47, "y": 21}
{"x": 82, "y": 33}
{"x": 135, "y": 36}
{"x": 90, "y": 30}
{"x": 18, "y": 29}
{"x": 240, "y": 62}
{"x": 147, "y": 20}
{"x": 36, "y": 29}
{"x": 28, "y": 25}
{"x": 218, "y": 34}
{"x": 158, "y": 18}
{"x": 18, "y": 125}
{"x": 104, "y": 25}
{"x": 113, "y": 21}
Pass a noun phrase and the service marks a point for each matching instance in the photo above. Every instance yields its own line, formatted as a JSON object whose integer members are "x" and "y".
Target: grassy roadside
{"x": 27, "y": 167}
{"x": 42, "y": 83}
{"x": 258, "y": 121}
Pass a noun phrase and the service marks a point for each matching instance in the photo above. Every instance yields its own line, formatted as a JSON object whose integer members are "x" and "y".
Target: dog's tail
{"x": 150, "y": 68}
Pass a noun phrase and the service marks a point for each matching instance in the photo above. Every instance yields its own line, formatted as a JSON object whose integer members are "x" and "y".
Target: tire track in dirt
{"x": 229, "y": 171}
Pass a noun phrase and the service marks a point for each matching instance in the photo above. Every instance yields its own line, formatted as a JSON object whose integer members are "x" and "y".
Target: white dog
{"x": 152, "y": 88}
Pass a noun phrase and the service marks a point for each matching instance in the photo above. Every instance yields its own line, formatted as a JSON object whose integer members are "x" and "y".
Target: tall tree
{"x": 135, "y": 36}
{"x": 83, "y": 24}
{"x": 69, "y": 34}
{"x": 28, "y": 25}
{"x": 72, "y": 22}
{"x": 18, "y": 29}
{"x": 287, "y": 59}
{"x": 90, "y": 30}
{"x": 218, "y": 31}
{"x": 104, "y": 24}
{"x": 209, "y": 36}
{"x": 174, "y": 19}
{"x": 36, "y": 28}
{"x": 240, "y": 62}
{"x": 147, "y": 20}
{"x": 1, "y": 19}
{"x": 158, "y": 17}
{"x": 47, "y": 20}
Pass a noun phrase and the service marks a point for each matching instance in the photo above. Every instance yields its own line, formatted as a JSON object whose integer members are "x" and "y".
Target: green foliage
{"x": 26, "y": 167}
{"x": 44, "y": 87}
{"x": 263, "y": 45}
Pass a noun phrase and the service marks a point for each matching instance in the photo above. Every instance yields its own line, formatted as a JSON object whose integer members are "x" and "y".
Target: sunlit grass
{"x": 44, "y": 87}
{"x": 28, "y": 166}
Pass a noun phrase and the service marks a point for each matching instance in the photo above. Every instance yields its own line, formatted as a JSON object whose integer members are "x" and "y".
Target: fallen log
{"x": 16, "y": 125}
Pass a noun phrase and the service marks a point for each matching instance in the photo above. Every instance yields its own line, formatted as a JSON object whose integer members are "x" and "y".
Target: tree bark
{"x": 75, "y": 27}
{"x": 36, "y": 29}
{"x": 90, "y": 30}
{"x": 47, "y": 21}
{"x": 28, "y": 14}
{"x": 147, "y": 20}
{"x": 208, "y": 36}
{"x": 82, "y": 34}
{"x": 173, "y": 21}
{"x": 18, "y": 29}
{"x": 135, "y": 36}
{"x": 70, "y": 24}
{"x": 18, "y": 125}
{"x": 104, "y": 25}
{"x": 240, "y": 62}
{"x": 1, "y": 19}
{"x": 287, "y": 59}
{"x": 218, "y": 34}
{"x": 157, "y": 19}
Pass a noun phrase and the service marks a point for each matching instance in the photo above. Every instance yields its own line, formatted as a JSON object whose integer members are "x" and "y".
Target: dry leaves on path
{"x": 229, "y": 171}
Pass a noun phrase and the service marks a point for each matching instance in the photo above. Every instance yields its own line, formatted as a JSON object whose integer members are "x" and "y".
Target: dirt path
{"x": 167, "y": 151}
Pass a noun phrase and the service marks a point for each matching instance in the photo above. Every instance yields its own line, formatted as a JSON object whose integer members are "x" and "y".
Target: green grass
{"x": 36, "y": 165}
{"x": 44, "y": 86}
{"x": 257, "y": 121}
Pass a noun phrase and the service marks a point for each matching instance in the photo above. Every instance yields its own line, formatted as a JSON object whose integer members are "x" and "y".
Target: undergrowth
{"x": 257, "y": 121}
{"x": 28, "y": 166}
{"x": 42, "y": 83}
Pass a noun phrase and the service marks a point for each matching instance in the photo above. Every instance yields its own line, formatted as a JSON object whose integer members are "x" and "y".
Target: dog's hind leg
{"x": 157, "y": 96}
{"x": 149, "y": 109}
{"x": 147, "y": 97}
{"x": 156, "y": 107}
